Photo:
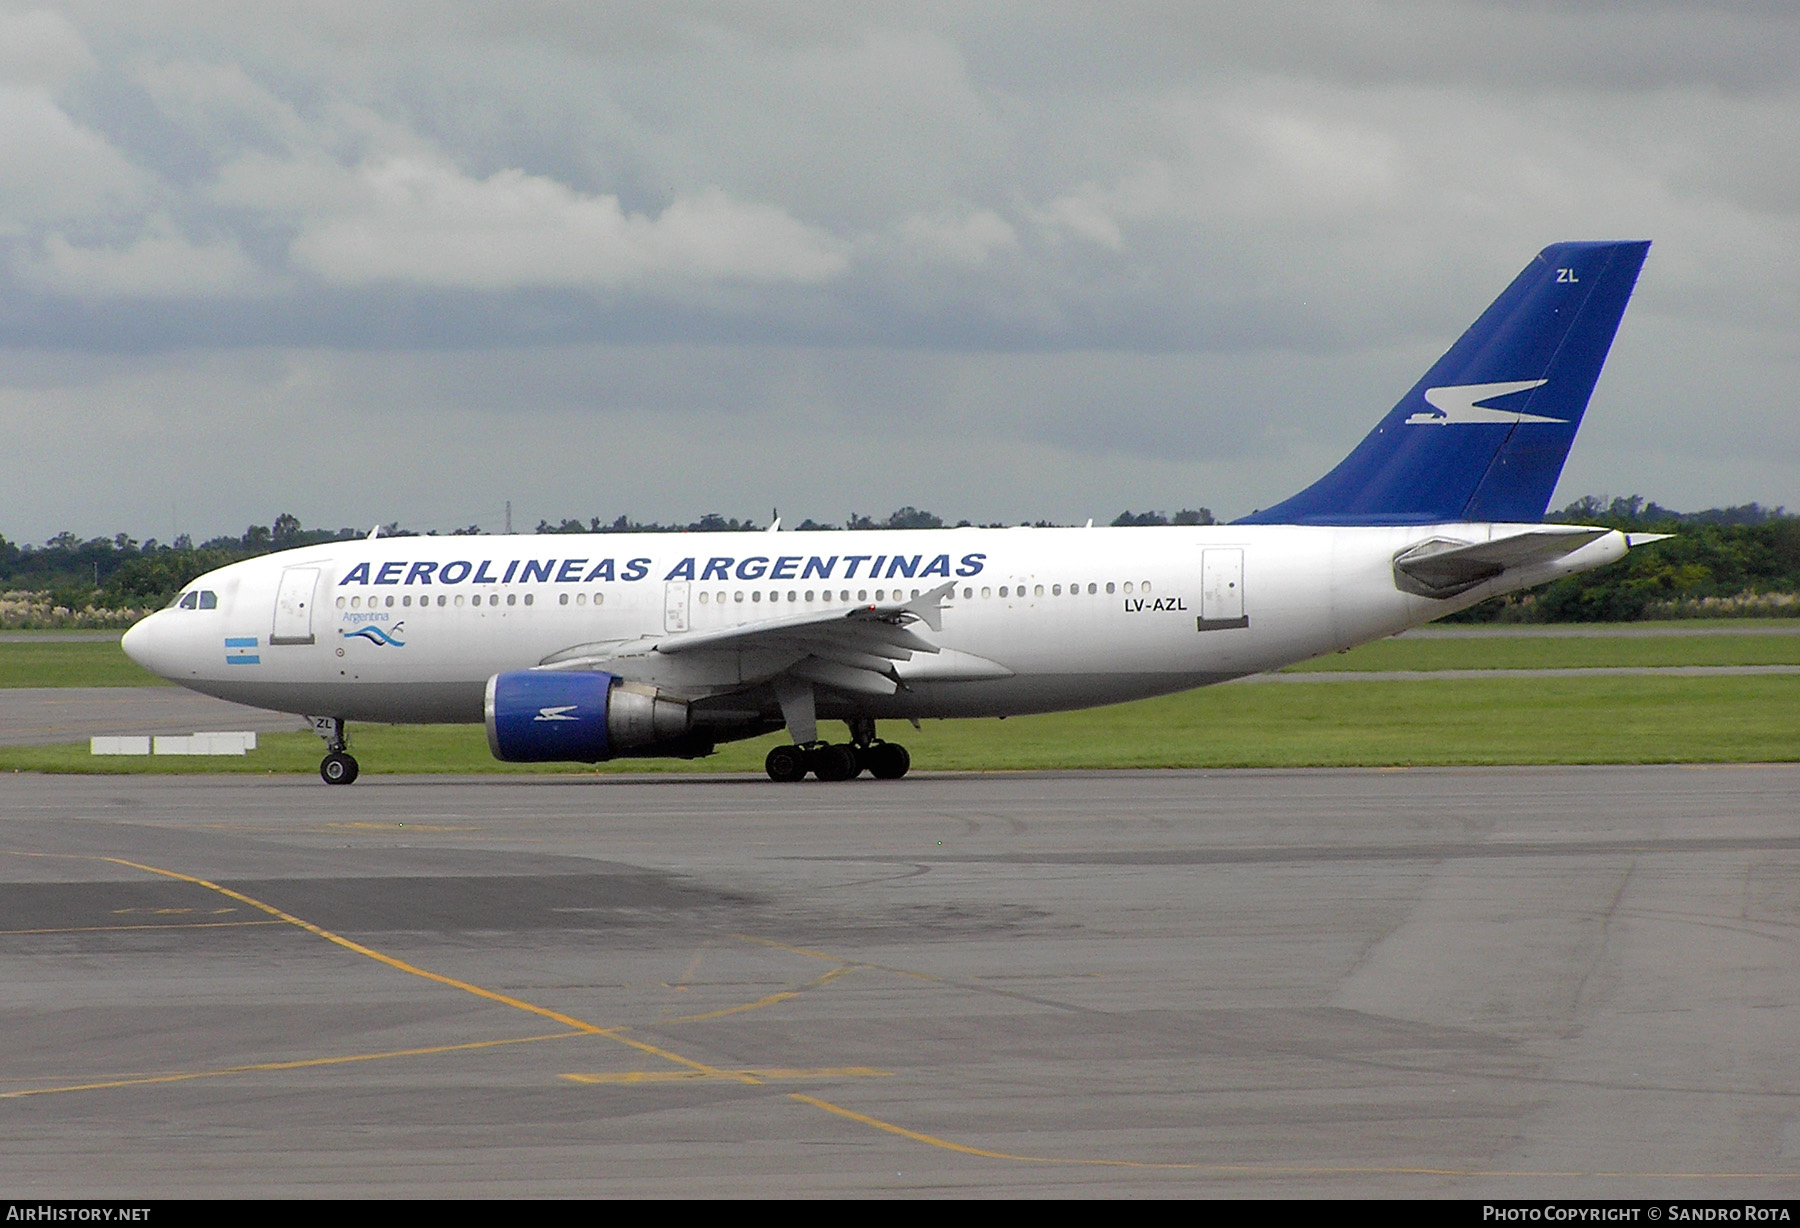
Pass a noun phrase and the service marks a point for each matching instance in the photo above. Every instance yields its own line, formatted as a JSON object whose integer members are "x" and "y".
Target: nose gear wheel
{"x": 338, "y": 768}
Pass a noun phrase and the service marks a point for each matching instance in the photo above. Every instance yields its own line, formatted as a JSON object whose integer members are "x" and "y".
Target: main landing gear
{"x": 826, "y": 761}
{"x": 338, "y": 767}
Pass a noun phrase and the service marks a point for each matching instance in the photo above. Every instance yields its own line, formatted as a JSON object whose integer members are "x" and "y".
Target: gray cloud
{"x": 1013, "y": 261}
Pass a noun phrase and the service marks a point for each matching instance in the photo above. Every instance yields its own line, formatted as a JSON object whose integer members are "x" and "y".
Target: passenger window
{"x": 340, "y": 603}
{"x": 599, "y": 598}
{"x": 986, "y": 591}
{"x": 512, "y": 599}
{"x": 528, "y": 597}
{"x": 406, "y": 600}
{"x": 1055, "y": 590}
{"x": 1093, "y": 588}
{"x": 1109, "y": 586}
{"x": 1038, "y": 591}
{"x": 458, "y": 600}
{"x": 562, "y": 599}
{"x": 441, "y": 599}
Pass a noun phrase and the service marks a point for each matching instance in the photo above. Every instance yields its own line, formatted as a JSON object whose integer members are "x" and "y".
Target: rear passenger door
{"x": 1222, "y": 589}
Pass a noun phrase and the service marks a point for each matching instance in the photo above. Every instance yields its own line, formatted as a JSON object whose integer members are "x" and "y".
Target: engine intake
{"x": 551, "y": 716}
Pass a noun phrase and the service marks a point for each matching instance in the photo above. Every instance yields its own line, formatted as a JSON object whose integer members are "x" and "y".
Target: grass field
{"x": 1501, "y": 652}
{"x": 28, "y": 664}
{"x": 81, "y": 663}
{"x": 1492, "y": 720}
{"x": 1476, "y": 721}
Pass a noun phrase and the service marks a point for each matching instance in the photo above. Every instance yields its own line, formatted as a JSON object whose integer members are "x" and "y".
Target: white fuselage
{"x": 409, "y": 629}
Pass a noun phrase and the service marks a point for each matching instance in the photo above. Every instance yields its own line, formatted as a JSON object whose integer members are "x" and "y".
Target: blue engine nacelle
{"x": 550, "y": 716}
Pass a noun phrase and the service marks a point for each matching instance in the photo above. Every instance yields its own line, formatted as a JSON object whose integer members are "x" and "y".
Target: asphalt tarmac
{"x": 51, "y": 716}
{"x": 1552, "y": 982}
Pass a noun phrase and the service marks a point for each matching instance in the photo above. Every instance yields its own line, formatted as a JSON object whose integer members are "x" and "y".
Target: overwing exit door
{"x": 675, "y": 605}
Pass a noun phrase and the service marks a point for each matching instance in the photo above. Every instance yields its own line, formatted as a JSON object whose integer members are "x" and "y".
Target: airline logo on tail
{"x": 1460, "y": 404}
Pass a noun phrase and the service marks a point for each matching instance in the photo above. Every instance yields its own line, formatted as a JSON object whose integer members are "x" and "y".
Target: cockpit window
{"x": 209, "y": 600}
{"x": 188, "y": 600}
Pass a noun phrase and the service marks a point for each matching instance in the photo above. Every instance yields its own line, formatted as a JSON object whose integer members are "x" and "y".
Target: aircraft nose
{"x": 140, "y": 644}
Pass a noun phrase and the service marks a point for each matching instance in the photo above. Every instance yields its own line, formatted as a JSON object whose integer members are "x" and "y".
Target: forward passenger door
{"x": 293, "y": 606}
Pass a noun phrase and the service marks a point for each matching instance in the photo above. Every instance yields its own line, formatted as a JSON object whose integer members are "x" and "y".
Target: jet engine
{"x": 551, "y": 716}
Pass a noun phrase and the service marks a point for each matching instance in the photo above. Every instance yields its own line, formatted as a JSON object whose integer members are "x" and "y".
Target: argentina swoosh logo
{"x": 378, "y": 637}
{"x": 1461, "y": 404}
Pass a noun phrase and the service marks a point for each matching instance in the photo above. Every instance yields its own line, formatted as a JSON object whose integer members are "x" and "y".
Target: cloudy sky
{"x": 395, "y": 261}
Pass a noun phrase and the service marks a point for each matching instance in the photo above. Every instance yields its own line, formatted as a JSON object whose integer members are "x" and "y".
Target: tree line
{"x": 905, "y": 518}
{"x": 1723, "y": 561}
{"x": 123, "y": 575}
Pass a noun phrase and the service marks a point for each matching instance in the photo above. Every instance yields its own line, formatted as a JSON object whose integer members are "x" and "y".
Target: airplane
{"x": 583, "y": 648}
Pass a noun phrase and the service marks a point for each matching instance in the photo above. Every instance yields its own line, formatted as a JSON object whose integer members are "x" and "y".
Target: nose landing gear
{"x": 338, "y": 767}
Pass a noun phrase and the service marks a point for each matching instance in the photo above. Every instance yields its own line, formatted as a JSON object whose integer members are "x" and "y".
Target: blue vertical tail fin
{"x": 1484, "y": 435}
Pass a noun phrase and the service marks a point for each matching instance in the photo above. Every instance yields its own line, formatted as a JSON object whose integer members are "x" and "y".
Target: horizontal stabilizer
{"x": 1442, "y": 567}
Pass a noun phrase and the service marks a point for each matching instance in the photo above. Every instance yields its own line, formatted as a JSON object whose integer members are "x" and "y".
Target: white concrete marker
{"x": 119, "y": 746}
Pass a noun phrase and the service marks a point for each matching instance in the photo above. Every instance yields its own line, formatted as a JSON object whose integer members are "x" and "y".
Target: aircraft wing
{"x": 857, "y": 648}
{"x": 1443, "y": 568}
